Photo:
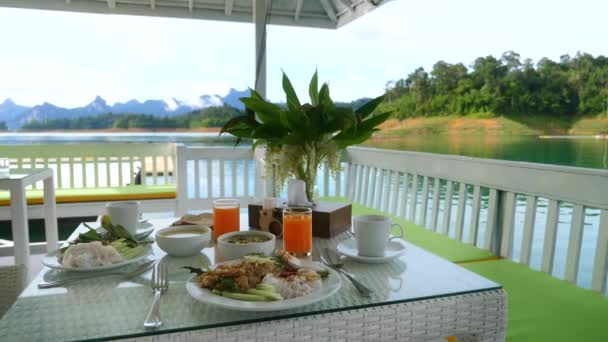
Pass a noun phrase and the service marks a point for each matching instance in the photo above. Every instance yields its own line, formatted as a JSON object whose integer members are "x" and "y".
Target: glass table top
{"x": 111, "y": 307}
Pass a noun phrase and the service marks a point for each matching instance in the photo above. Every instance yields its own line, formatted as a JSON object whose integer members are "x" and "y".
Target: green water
{"x": 581, "y": 152}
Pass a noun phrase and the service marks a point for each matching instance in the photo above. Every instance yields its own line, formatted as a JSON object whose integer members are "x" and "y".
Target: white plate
{"x": 330, "y": 286}
{"x": 144, "y": 228}
{"x": 394, "y": 249}
{"x": 50, "y": 260}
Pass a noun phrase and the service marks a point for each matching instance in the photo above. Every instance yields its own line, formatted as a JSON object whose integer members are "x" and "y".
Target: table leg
{"x": 21, "y": 235}
{"x": 50, "y": 215}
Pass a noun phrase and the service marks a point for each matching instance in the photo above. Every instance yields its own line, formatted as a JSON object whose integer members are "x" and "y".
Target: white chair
{"x": 11, "y": 285}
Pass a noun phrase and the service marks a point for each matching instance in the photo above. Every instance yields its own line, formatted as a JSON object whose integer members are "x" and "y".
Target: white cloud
{"x": 69, "y": 58}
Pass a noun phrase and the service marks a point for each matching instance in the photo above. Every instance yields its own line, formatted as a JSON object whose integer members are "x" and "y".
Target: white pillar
{"x": 21, "y": 235}
{"x": 260, "y": 10}
{"x": 259, "y": 20}
{"x": 50, "y": 214}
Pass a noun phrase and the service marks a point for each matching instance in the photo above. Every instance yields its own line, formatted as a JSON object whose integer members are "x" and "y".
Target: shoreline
{"x": 115, "y": 130}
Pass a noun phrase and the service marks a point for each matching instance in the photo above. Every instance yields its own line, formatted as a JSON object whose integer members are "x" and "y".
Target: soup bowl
{"x": 182, "y": 241}
{"x": 238, "y": 244}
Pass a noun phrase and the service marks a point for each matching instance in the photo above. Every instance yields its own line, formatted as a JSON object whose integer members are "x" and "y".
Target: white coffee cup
{"x": 125, "y": 214}
{"x": 372, "y": 234}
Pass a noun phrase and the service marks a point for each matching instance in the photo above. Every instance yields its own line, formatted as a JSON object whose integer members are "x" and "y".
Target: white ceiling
{"x": 309, "y": 13}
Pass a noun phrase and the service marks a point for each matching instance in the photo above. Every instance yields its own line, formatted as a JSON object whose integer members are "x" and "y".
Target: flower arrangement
{"x": 299, "y": 137}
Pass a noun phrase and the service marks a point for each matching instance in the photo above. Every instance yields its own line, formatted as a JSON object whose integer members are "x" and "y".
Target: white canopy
{"x": 309, "y": 13}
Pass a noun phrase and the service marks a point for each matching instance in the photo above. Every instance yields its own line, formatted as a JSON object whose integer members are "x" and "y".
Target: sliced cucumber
{"x": 270, "y": 295}
{"x": 266, "y": 287}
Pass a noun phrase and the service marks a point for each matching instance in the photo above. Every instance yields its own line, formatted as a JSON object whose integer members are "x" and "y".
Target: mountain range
{"x": 15, "y": 115}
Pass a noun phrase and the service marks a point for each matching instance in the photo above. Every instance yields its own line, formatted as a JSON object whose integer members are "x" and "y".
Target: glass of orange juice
{"x": 226, "y": 216}
{"x": 297, "y": 231}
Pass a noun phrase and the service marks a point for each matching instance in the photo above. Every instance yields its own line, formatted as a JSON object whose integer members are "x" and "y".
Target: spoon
{"x": 330, "y": 259}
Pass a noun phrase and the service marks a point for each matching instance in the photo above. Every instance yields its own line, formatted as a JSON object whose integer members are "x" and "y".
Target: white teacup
{"x": 125, "y": 214}
{"x": 372, "y": 233}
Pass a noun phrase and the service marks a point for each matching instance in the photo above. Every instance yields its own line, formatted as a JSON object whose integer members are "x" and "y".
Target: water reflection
{"x": 573, "y": 152}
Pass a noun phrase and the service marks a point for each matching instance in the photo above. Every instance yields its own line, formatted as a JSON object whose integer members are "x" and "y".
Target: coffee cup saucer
{"x": 144, "y": 228}
{"x": 394, "y": 249}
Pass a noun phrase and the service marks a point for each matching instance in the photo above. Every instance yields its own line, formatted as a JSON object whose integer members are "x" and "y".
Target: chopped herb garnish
{"x": 194, "y": 270}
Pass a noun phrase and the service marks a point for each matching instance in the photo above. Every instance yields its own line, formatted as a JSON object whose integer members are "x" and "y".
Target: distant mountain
{"x": 9, "y": 111}
{"x": 16, "y": 116}
{"x": 233, "y": 96}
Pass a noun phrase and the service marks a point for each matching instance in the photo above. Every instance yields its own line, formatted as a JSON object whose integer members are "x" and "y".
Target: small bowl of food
{"x": 182, "y": 241}
{"x": 236, "y": 245}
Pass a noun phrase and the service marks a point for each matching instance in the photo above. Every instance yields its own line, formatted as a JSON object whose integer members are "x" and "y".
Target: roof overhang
{"x": 330, "y": 14}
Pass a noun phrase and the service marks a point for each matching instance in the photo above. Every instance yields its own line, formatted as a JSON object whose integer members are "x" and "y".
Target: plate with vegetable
{"x": 258, "y": 282}
{"x": 98, "y": 250}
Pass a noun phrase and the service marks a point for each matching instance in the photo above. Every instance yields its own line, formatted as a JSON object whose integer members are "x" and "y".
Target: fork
{"x": 337, "y": 265}
{"x": 159, "y": 284}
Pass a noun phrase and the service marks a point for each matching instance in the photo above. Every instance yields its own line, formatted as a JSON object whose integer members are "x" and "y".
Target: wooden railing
{"x": 97, "y": 165}
{"x": 418, "y": 186}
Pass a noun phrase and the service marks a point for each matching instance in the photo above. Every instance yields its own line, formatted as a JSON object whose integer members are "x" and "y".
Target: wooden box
{"x": 328, "y": 218}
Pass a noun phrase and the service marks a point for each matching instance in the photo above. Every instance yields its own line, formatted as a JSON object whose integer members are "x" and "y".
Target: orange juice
{"x": 226, "y": 217}
{"x": 297, "y": 233}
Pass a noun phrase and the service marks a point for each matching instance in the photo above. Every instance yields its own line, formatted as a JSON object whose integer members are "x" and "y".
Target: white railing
{"x": 418, "y": 186}
{"x": 208, "y": 173}
{"x": 97, "y": 165}
{"x": 536, "y": 214}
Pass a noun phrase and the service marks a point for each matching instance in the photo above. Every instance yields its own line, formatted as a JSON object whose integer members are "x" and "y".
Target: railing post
{"x": 261, "y": 185}
{"x": 181, "y": 171}
{"x": 501, "y": 241}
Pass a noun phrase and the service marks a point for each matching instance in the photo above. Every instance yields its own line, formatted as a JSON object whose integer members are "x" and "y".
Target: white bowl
{"x": 182, "y": 246}
{"x": 231, "y": 251}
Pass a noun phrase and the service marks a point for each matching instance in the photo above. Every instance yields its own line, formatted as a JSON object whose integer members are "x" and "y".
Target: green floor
{"x": 540, "y": 307}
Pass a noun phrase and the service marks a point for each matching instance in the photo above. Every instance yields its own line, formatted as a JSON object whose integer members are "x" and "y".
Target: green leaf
{"x": 241, "y": 126}
{"x": 118, "y": 231}
{"x": 254, "y": 95}
{"x": 228, "y": 284}
{"x": 268, "y": 132}
{"x": 338, "y": 118}
{"x": 203, "y": 264}
{"x": 324, "y": 98}
{"x": 344, "y": 140}
{"x": 90, "y": 235}
{"x": 292, "y": 99}
{"x": 194, "y": 270}
{"x": 294, "y": 120}
{"x": 313, "y": 89}
{"x": 374, "y": 121}
{"x": 267, "y": 112}
{"x": 368, "y": 108}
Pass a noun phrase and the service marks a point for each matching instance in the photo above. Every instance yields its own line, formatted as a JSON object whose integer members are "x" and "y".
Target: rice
{"x": 90, "y": 255}
{"x": 299, "y": 284}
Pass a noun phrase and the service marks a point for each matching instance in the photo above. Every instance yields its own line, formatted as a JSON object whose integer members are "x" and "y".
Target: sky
{"x": 69, "y": 58}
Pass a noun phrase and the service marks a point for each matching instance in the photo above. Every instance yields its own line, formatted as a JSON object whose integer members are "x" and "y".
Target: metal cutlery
{"x": 139, "y": 270}
{"x": 333, "y": 261}
{"x": 159, "y": 284}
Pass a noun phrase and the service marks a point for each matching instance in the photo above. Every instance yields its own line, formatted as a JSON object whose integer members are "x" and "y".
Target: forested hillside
{"x": 505, "y": 86}
{"x": 207, "y": 117}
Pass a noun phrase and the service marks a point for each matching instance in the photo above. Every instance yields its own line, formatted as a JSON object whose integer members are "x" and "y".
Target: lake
{"x": 581, "y": 152}
{"x": 576, "y": 151}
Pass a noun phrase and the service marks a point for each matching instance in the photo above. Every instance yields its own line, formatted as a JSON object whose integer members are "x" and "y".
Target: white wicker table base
{"x": 478, "y": 316}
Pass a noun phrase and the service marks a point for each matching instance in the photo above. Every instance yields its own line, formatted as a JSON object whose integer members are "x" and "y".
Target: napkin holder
{"x": 328, "y": 218}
